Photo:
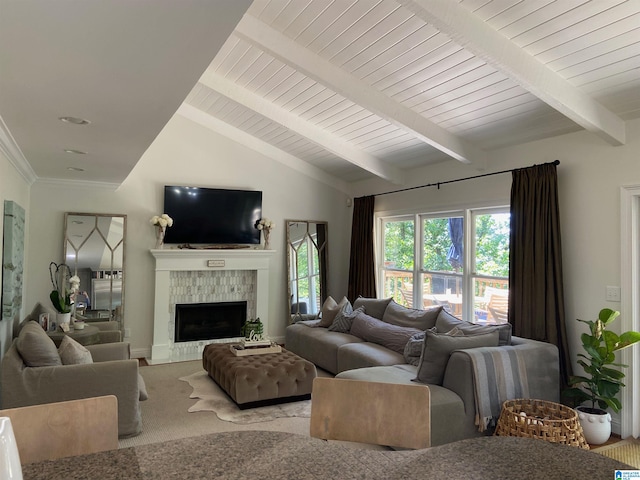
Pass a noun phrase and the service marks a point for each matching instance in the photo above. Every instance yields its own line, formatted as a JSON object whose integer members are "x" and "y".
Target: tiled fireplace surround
{"x": 203, "y": 276}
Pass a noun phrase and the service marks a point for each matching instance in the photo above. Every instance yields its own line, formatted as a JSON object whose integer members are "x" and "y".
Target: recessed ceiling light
{"x": 77, "y": 152}
{"x": 74, "y": 120}
{"x": 75, "y": 169}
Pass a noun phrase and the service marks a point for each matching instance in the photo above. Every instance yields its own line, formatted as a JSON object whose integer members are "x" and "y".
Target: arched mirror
{"x": 94, "y": 245}
{"x": 307, "y": 267}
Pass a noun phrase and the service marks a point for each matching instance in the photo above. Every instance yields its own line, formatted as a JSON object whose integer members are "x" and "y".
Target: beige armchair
{"x": 32, "y": 373}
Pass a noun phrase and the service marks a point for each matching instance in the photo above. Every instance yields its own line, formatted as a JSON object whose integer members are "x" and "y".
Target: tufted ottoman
{"x": 256, "y": 380}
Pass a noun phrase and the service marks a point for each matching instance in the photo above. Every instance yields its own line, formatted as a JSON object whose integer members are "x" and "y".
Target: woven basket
{"x": 541, "y": 419}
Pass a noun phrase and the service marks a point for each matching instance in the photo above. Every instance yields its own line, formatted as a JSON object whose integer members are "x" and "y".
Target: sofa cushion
{"x": 438, "y": 347}
{"x": 35, "y": 346}
{"x": 445, "y": 322}
{"x": 373, "y": 330}
{"x": 344, "y": 318}
{"x": 72, "y": 353}
{"x": 374, "y": 307}
{"x": 402, "y": 316}
{"x": 330, "y": 309}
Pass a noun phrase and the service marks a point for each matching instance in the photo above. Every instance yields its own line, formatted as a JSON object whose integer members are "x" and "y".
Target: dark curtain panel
{"x": 361, "y": 264}
{"x": 536, "y": 299}
{"x": 322, "y": 258}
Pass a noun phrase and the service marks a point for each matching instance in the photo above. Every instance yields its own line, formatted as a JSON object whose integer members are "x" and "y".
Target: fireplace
{"x": 209, "y": 321}
{"x": 186, "y": 276}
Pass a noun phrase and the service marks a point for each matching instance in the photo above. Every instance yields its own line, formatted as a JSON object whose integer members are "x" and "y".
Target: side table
{"x": 89, "y": 335}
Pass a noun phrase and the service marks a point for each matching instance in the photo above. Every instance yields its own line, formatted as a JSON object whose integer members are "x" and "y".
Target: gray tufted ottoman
{"x": 256, "y": 380}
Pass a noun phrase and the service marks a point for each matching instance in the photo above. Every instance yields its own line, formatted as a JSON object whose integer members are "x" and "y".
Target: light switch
{"x": 613, "y": 294}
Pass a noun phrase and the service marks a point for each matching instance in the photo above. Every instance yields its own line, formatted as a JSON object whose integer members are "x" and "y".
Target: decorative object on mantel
{"x": 60, "y": 296}
{"x": 161, "y": 223}
{"x": 265, "y": 225}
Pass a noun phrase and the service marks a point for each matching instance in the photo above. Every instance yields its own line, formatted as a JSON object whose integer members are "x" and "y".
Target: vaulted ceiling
{"x": 356, "y": 89}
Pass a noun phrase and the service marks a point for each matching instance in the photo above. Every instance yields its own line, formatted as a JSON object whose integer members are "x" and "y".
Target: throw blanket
{"x": 499, "y": 374}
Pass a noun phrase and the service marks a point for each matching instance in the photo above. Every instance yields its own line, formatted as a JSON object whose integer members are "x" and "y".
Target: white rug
{"x": 212, "y": 398}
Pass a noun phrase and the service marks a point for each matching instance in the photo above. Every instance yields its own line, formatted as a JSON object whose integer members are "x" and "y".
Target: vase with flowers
{"x": 61, "y": 296}
{"x": 265, "y": 225}
{"x": 161, "y": 223}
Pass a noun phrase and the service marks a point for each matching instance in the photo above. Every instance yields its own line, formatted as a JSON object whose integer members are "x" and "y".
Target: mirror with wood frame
{"x": 307, "y": 267}
{"x": 94, "y": 249}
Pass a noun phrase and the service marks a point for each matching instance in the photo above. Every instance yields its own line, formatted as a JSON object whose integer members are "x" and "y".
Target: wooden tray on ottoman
{"x": 255, "y": 380}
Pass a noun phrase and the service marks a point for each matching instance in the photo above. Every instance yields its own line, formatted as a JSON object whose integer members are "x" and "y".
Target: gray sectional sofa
{"x": 379, "y": 340}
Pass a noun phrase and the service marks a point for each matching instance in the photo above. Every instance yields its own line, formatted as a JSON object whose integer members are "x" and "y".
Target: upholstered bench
{"x": 255, "y": 380}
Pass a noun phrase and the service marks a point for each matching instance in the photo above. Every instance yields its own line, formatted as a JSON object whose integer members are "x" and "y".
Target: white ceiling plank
{"x": 305, "y": 129}
{"x": 345, "y": 84}
{"x": 481, "y": 39}
{"x": 264, "y": 148}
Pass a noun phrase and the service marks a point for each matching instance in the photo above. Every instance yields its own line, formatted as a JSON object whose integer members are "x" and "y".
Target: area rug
{"x": 627, "y": 451}
{"x": 212, "y": 398}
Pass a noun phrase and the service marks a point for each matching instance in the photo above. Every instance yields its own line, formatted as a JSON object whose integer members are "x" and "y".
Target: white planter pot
{"x": 596, "y": 426}
{"x": 63, "y": 318}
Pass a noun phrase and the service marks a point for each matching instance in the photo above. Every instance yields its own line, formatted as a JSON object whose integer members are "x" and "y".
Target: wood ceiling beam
{"x": 212, "y": 123}
{"x": 479, "y": 38}
{"x": 309, "y": 131}
{"x": 349, "y": 86}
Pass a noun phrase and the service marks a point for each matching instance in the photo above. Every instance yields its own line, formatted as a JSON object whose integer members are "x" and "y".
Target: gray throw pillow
{"x": 397, "y": 314}
{"x": 374, "y": 307}
{"x": 413, "y": 348}
{"x": 344, "y": 318}
{"x": 36, "y": 348}
{"x": 446, "y": 322}
{"x": 330, "y": 309}
{"x": 438, "y": 348}
{"x": 72, "y": 353}
{"x": 390, "y": 336}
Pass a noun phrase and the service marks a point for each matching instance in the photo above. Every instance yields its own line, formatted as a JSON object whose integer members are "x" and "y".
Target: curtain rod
{"x": 555, "y": 162}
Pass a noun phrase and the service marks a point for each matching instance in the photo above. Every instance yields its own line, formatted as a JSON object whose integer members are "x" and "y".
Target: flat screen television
{"x": 212, "y": 215}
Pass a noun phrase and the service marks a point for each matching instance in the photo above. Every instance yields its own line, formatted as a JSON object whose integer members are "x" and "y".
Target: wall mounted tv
{"x": 212, "y": 215}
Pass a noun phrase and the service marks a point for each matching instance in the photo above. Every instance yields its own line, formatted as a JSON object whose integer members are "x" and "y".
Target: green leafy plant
{"x": 60, "y": 297}
{"x": 252, "y": 325}
{"x": 601, "y": 383}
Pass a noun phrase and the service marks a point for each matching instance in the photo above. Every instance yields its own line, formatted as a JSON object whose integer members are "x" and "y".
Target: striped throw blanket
{"x": 499, "y": 375}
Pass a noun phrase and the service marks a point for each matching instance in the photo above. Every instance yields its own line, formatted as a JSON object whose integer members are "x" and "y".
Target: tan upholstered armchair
{"x": 33, "y": 373}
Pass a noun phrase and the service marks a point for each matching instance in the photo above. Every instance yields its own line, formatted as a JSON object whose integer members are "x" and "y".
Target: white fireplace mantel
{"x": 171, "y": 260}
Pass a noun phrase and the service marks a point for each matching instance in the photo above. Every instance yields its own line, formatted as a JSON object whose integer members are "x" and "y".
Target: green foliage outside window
{"x": 492, "y": 244}
{"x": 399, "y": 238}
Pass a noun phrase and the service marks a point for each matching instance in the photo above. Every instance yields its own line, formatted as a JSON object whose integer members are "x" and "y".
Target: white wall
{"x": 590, "y": 176}
{"x": 15, "y": 188}
{"x": 186, "y": 153}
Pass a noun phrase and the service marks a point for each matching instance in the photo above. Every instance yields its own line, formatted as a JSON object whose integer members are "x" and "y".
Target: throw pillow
{"x": 438, "y": 348}
{"x": 329, "y": 311}
{"x": 413, "y": 349}
{"x": 374, "y": 307}
{"x": 344, "y": 318}
{"x": 446, "y": 322}
{"x": 390, "y": 336}
{"x": 72, "y": 353}
{"x": 402, "y": 316}
{"x": 35, "y": 347}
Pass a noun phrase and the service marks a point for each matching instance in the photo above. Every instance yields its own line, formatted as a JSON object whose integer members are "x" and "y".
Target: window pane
{"x": 443, "y": 239}
{"x": 399, "y": 244}
{"x": 492, "y": 244}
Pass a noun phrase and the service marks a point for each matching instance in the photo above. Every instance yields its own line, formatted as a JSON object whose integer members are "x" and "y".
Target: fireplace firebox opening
{"x": 209, "y": 321}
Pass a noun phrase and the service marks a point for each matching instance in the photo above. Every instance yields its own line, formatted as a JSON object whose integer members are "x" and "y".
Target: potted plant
{"x": 600, "y": 384}
{"x": 60, "y": 297}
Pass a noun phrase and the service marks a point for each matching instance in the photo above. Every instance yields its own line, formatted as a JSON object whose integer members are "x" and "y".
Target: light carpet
{"x": 627, "y": 451}
{"x": 211, "y": 398}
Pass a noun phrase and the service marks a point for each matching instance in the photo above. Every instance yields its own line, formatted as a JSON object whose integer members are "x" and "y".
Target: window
{"x": 305, "y": 273}
{"x": 444, "y": 271}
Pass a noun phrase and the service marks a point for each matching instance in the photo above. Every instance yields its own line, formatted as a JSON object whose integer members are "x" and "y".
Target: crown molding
{"x": 11, "y": 150}
{"x": 63, "y": 182}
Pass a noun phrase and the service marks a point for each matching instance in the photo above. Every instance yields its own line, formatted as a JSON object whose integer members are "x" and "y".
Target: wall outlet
{"x": 127, "y": 332}
{"x": 613, "y": 294}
